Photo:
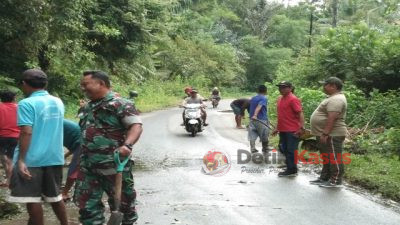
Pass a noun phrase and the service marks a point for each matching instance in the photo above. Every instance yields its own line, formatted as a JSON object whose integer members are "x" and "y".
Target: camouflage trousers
{"x": 89, "y": 189}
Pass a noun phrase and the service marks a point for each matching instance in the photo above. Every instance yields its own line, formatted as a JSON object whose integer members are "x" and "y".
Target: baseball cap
{"x": 333, "y": 80}
{"x": 284, "y": 84}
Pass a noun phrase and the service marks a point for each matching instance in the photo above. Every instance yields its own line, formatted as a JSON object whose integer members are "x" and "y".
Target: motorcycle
{"x": 193, "y": 122}
{"x": 215, "y": 100}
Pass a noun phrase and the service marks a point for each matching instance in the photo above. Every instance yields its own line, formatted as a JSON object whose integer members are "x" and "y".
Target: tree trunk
{"x": 334, "y": 12}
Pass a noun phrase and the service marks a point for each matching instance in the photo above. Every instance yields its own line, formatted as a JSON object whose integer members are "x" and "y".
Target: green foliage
{"x": 386, "y": 143}
{"x": 378, "y": 173}
{"x": 365, "y": 57}
{"x": 262, "y": 62}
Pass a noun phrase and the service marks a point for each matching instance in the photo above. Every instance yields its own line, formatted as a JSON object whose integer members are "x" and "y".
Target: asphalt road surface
{"x": 173, "y": 190}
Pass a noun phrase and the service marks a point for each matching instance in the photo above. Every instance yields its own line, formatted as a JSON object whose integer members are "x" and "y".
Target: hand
{"x": 275, "y": 132}
{"x": 254, "y": 117}
{"x": 124, "y": 151}
{"x": 324, "y": 139}
{"x": 23, "y": 170}
{"x": 299, "y": 133}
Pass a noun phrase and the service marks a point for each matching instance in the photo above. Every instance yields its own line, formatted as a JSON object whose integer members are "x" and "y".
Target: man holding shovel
{"x": 110, "y": 126}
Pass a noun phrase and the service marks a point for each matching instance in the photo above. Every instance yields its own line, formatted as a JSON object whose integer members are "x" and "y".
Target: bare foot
{"x": 240, "y": 127}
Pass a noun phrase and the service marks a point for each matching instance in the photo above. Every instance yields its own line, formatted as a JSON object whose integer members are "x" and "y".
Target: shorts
{"x": 45, "y": 185}
{"x": 257, "y": 129}
{"x": 237, "y": 110}
{"x": 7, "y": 146}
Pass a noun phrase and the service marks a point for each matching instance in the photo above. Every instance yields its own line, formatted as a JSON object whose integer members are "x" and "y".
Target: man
{"x": 328, "y": 124}
{"x": 239, "y": 106}
{"x": 39, "y": 158}
{"x": 72, "y": 141}
{"x": 108, "y": 124}
{"x": 258, "y": 120}
{"x": 195, "y": 99}
{"x": 290, "y": 125}
{"x": 9, "y": 131}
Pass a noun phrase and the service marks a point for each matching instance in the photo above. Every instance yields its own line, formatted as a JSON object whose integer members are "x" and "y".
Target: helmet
{"x": 188, "y": 89}
{"x": 215, "y": 88}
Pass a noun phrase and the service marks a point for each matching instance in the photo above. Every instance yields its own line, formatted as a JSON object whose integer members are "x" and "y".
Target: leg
{"x": 61, "y": 213}
{"x": 292, "y": 144}
{"x": 252, "y": 136}
{"x": 336, "y": 165}
{"x": 204, "y": 116}
{"x": 8, "y": 168}
{"x": 87, "y": 196}
{"x": 283, "y": 146}
{"x": 128, "y": 197}
{"x": 35, "y": 212}
{"x": 183, "y": 118}
{"x": 323, "y": 149}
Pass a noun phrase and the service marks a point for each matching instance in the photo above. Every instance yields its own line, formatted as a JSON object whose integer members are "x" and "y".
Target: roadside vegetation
{"x": 158, "y": 47}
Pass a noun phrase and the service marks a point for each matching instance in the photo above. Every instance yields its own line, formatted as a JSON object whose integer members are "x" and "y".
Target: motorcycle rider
{"x": 196, "y": 99}
{"x": 215, "y": 94}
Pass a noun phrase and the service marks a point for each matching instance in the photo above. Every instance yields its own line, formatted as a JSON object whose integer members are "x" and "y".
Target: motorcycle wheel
{"x": 193, "y": 133}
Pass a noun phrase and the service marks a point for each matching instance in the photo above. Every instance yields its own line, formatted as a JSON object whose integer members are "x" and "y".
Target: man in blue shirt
{"x": 258, "y": 119}
{"x": 39, "y": 158}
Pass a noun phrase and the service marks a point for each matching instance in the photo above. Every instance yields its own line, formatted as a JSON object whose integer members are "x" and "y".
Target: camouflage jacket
{"x": 104, "y": 125}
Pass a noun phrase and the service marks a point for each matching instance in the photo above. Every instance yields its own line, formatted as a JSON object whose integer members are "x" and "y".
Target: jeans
{"x": 288, "y": 143}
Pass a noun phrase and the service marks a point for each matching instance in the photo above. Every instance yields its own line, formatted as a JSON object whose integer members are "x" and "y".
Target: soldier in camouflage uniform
{"x": 108, "y": 123}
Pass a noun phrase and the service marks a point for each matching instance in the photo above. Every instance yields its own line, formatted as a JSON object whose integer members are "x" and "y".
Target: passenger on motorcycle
{"x": 195, "y": 98}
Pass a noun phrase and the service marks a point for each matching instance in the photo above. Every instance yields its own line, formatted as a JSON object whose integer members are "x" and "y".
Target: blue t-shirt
{"x": 259, "y": 100}
{"x": 44, "y": 113}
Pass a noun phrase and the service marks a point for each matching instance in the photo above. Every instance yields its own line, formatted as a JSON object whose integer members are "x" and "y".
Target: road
{"x": 173, "y": 190}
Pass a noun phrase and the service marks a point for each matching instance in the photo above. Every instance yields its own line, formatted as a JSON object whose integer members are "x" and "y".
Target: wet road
{"x": 172, "y": 189}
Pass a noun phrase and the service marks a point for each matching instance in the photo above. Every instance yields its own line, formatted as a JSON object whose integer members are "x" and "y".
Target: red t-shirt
{"x": 8, "y": 120}
{"x": 288, "y": 108}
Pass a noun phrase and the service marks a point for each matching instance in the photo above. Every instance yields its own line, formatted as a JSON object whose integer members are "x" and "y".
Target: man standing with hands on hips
{"x": 328, "y": 124}
{"x": 108, "y": 123}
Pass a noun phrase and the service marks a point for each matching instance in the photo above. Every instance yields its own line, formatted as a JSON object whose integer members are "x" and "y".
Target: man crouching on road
{"x": 108, "y": 123}
{"x": 328, "y": 124}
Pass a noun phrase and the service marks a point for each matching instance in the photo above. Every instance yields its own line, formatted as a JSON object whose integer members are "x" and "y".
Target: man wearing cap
{"x": 195, "y": 98}
{"x": 39, "y": 157}
{"x": 328, "y": 124}
{"x": 258, "y": 120}
{"x": 290, "y": 125}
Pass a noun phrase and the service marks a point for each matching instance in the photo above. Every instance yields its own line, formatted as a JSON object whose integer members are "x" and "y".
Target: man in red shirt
{"x": 9, "y": 131}
{"x": 290, "y": 125}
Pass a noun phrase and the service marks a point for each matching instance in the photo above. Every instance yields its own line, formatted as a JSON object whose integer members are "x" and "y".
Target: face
{"x": 92, "y": 88}
{"x": 193, "y": 94}
{"x": 329, "y": 89}
{"x": 284, "y": 90}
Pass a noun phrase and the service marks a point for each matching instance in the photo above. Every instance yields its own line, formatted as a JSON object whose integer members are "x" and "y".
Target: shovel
{"x": 116, "y": 215}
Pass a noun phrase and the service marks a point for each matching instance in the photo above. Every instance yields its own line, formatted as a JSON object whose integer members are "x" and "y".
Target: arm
{"x": 24, "y": 142}
{"x": 258, "y": 109}
{"x": 301, "y": 130}
{"x": 132, "y": 137}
